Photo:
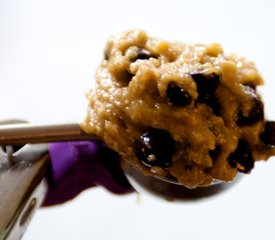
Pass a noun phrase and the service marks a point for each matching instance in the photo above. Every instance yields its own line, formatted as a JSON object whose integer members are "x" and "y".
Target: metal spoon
{"x": 32, "y": 187}
{"x": 23, "y": 133}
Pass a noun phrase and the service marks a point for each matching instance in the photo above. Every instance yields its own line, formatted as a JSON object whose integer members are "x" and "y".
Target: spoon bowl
{"x": 170, "y": 189}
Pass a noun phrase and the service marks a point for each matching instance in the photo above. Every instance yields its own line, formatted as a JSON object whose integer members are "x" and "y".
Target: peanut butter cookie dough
{"x": 186, "y": 112}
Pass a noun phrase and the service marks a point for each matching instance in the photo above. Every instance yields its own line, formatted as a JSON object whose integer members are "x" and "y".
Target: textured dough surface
{"x": 210, "y": 130}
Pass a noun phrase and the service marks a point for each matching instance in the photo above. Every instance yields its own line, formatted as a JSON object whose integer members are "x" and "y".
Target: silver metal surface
{"x": 38, "y": 133}
{"x": 23, "y": 187}
{"x": 169, "y": 189}
{"x": 23, "y": 167}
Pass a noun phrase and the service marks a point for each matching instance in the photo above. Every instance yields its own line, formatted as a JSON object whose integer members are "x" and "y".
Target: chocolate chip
{"x": 176, "y": 95}
{"x": 268, "y": 136}
{"x": 242, "y": 158}
{"x": 155, "y": 148}
{"x": 251, "y": 85}
{"x": 255, "y": 114}
{"x": 206, "y": 88}
{"x": 206, "y": 85}
{"x": 143, "y": 54}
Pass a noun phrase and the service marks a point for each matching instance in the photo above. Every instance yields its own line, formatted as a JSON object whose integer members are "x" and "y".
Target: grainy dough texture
{"x": 185, "y": 112}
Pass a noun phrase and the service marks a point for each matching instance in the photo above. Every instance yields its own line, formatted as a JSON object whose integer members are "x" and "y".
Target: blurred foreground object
{"x": 42, "y": 174}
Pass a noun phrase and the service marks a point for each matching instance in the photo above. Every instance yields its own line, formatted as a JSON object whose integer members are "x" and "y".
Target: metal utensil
{"x": 23, "y": 133}
{"x": 22, "y": 172}
{"x": 14, "y": 134}
{"x": 23, "y": 187}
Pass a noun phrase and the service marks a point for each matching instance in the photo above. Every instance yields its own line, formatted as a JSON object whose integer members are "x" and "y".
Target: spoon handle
{"x": 22, "y": 133}
{"x": 16, "y": 134}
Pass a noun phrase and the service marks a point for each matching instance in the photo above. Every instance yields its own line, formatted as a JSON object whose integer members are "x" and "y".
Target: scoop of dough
{"x": 186, "y": 112}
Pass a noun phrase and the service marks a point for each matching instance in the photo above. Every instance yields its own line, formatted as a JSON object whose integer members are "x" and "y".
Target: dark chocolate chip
{"x": 155, "y": 148}
{"x": 268, "y": 136}
{"x": 176, "y": 95}
{"x": 206, "y": 87}
{"x": 251, "y": 85}
{"x": 143, "y": 54}
{"x": 215, "y": 153}
{"x": 242, "y": 158}
{"x": 256, "y": 113}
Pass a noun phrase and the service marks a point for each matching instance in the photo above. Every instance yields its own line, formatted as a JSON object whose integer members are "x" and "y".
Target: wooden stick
{"x": 14, "y": 134}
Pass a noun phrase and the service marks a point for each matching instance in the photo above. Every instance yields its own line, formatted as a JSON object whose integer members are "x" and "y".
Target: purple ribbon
{"x": 79, "y": 165}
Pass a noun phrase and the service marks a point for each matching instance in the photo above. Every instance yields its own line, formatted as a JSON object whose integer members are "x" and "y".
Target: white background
{"x": 49, "y": 51}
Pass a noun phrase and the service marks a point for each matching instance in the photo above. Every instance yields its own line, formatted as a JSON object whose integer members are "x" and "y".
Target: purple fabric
{"x": 79, "y": 165}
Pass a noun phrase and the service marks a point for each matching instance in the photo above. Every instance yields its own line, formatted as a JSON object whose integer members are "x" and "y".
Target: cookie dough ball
{"x": 185, "y": 112}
